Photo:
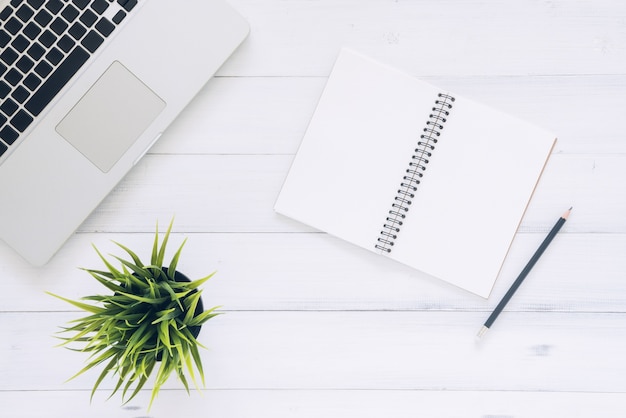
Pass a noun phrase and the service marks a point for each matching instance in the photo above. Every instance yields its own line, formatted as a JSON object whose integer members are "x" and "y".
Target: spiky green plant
{"x": 148, "y": 320}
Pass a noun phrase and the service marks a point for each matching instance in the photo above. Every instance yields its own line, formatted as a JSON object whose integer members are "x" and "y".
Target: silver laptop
{"x": 86, "y": 87}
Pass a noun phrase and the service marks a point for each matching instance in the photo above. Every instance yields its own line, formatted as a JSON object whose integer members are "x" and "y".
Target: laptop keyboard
{"x": 43, "y": 43}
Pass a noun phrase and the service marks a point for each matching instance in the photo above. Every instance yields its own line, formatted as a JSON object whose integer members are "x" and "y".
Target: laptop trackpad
{"x": 110, "y": 117}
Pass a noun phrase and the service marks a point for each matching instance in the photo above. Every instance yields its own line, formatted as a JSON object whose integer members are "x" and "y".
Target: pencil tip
{"x": 567, "y": 212}
{"x": 482, "y": 331}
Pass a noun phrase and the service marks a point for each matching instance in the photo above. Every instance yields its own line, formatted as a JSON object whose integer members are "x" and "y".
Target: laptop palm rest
{"x": 110, "y": 117}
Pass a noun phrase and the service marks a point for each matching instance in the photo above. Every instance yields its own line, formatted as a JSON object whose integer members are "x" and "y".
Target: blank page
{"x": 470, "y": 201}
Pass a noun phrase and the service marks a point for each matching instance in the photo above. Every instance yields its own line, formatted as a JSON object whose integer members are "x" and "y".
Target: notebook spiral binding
{"x": 414, "y": 172}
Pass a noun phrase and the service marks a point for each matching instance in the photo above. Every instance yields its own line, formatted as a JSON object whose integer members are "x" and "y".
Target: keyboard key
{"x": 8, "y": 56}
{"x": 58, "y": 26}
{"x": 43, "y": 69}
{"x": 35, "y": 4}
{"x": 54, "y": 6}
{"x": 77, "y": 31}
{"x": 8, "y": 135}
{"x": 13, "y": 77}
{"x": 4, "y": 89}
{"x": 92, "y": 41}
{"x": 88, "y": 18}
{"x": 20, "y": 43}
{"x": 70, "y": 13}
{"x": 128, "y": 5}
{"x": 54, "y": 56}
{"x": 20, "y": 94}
{"x": 3, "y": 119}
{"x": 32, "y": 30}
{"x": 8, "y": 107}
{"x": 47, "y": 38}
{"x": 3, "y": 148}
{"x": 66, "y": 43}
{"x": 24, "y": 13}
{"x": 99, "y": 6}
{"x": 21, "y": 121}
{"x": 16, "y": 3}
{"x": 3, "y": 68}
{"x": 31, "y": 82}
{"x": 57, "y": 80}
{"x": 43, "y": 18}
{"x": 119, "y": 16}
{"x": 35, "y": 51}
{"x": 105, "y": 27}
{"x": 13, "y": 25}
{"x": 81, "y": 4}
{"x": 5, "y": 13}
{"x": 4, "y": 38}
{"x": 24, "y": 64}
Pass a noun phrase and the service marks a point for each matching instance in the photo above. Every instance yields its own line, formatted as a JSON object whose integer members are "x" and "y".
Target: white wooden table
{"x": 314, "y": 327}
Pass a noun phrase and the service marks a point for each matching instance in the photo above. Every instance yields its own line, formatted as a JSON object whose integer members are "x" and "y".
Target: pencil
{"x": 555, "y": 229}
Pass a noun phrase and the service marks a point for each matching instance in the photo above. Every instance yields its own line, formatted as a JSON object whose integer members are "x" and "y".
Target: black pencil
{"x": 524, "y": 273}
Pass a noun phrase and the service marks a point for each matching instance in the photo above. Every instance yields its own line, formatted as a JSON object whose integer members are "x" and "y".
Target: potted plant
{"x": 149, "y": 320}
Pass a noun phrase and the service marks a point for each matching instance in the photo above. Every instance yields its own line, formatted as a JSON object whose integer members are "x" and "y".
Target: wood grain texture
{"x": 477, "y": 37}
{"x": 552, "y": 352}
{"x": 268, "y": 115}
{"x": 315, "y": 327}
{"x": 327, "y": 403}
{"x": 310, "y": 272}
{"x": 236, "y": 193}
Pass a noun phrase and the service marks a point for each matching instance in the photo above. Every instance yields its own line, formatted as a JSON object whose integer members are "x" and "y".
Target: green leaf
{"x": 184, "y": 336}
{"x": 104, "y": 274}
{"x": 134, "y": 256}
{"x": 161, "y": 254}
{"x": 164, "y": 336}
{"x": 140, "y": 384}
{"x": 203, "y": 317}
{"x": 182, "y": 378}
{"x": 196, "y": 283}
{"x": 144, "y": 299}
{"x": 115, "y": 272}
{"x": 187, "y": 357}
{"x": 171, "y": 270}
{"x": 173, "y": 295}
{"x": 165, "y": 315}
{"x": 104, "y": 356}
{"x": 104, "y": 373}
{"x": 162, "y": 374}
{"x": 191, "y": 303}
{"x": 80, "y": 305}
{"x": 140, "y": 271}
{"x": 155, "y": 246}
{"x": 197, "y": 360}
{"x": 99, "y": 276}
{"x": 120, "y": 381}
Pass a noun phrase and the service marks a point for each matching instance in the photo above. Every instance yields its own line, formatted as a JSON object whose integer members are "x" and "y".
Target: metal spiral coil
{"x": 414, "y": 172}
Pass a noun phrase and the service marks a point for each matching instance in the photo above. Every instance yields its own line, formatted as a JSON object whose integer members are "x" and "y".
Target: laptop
{"x": 86, "y": 87}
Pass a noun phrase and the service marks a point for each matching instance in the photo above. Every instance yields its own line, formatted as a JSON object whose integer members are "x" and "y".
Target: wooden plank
{"x": 358, "y": 350}
{"x": 320, "y": 403}
{"x": 226, "y": 193}
{"x": 481, "y": 37}
{"x": 579, "y": 273}
{"x": 268, "y": 115}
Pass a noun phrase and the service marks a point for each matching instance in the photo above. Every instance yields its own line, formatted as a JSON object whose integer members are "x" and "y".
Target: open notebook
{"x": 423, "y": 176}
